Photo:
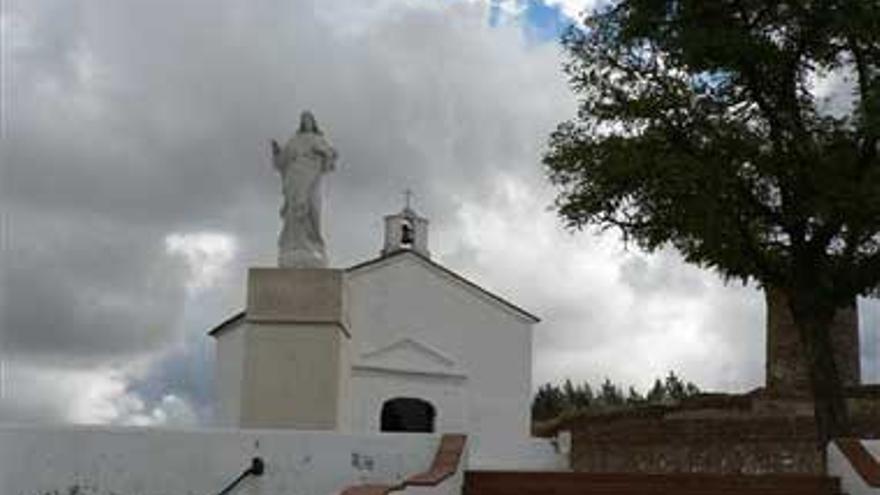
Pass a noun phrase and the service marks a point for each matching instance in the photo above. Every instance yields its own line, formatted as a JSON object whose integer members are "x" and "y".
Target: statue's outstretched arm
{"x": 331, "y": 163}
{"x": 330, "y": 159}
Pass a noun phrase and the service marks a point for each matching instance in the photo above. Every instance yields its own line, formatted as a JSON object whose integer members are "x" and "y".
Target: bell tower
{"x": 406, "y": 231}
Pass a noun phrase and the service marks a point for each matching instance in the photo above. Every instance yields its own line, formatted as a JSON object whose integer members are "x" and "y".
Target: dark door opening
{"x": 408, "y": 415}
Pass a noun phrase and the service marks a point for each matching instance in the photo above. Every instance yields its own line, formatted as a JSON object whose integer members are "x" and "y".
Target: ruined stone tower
{"x": 786, "y": 366}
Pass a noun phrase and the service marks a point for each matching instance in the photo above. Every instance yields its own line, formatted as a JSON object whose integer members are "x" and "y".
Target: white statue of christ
{"x": 302, "y": 163}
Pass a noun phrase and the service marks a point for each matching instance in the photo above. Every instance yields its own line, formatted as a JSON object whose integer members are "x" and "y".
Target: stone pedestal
{"x": 285, "y": 364}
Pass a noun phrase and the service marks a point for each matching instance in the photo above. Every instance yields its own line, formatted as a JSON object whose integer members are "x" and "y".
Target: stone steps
{"x": 547, "y": 483}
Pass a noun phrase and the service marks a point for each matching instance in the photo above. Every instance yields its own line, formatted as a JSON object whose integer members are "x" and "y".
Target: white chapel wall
{"x": 139, "y": 461}
{"x": 371, "y": 389}
{"x": 229, "y": 375}
{"x": 343, "y": 412}
{"x": 292, "y": 375}
{"x": 492, "y": 345}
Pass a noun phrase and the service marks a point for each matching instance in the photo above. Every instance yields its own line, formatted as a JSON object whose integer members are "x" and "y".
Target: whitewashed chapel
{"x": 398, "y": 343}
{"x": 319, "y": 370}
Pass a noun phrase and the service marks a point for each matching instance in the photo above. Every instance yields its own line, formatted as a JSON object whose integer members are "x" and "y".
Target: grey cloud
{"x": 134, "y": 120}
{"x": 131, "y": 121}
{"x": 662, "y": 272}
{"x": 720, "y": 348}
{"x": 184, "y": 372}
{"x": 79, "y": 289}
{"x": 186, "y": 107}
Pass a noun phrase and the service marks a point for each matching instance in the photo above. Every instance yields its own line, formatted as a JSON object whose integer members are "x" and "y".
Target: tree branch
{"x": 868, "y": 152}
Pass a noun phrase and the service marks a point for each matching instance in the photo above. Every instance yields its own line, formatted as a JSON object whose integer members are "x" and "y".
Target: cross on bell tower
{"x": 406, "y": 230}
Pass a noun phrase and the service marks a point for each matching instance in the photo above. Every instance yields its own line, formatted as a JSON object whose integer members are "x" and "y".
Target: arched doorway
{"x": 408, "y": 415}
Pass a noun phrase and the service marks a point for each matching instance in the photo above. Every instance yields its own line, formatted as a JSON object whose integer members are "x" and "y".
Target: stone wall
{"x": 750, "y": 434}
{"x": 697, "y": 445}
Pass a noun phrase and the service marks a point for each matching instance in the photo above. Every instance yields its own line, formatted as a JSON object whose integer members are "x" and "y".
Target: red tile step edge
{"x": 445, "y": 464}
{"x": 861, "y": 460}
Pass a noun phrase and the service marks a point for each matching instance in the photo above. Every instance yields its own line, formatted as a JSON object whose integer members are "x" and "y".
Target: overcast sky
{"x": 136, "y": 189}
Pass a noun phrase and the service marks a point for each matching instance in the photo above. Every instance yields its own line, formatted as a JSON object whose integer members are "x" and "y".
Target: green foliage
{"x": 657, "y": 394}
{"x": 549, "y": 402}
{"x": 610, "y": 395}
{"x": 552, "y": 401}
{"x": 700, "y": 126}
{"x": 634, "y": 398}
{"x": 674, "y": 387}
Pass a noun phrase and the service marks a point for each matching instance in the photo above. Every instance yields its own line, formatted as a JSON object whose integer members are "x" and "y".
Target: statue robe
{"x": 302, "y": 163}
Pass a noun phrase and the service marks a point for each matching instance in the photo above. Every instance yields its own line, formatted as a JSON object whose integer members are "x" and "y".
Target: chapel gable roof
{"x": 424, "y": 261}
{"x": 449, "y": 275}
{"x": 228, "y": 323}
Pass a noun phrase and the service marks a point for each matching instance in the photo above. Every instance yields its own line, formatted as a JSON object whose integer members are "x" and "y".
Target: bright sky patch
{"x": 541, "y": 21}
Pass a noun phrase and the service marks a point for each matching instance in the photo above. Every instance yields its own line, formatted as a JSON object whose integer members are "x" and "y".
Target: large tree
{"x": 706, "y": 125}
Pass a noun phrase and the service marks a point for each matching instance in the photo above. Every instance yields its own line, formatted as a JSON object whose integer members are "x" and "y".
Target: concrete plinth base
{"x": 285, "y": 364}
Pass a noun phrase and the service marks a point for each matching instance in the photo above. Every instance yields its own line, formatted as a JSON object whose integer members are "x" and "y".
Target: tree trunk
{"x": 813, "y": 315}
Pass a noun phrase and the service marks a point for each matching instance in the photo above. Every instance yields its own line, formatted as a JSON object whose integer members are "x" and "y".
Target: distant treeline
{"x": 551, "y": 400}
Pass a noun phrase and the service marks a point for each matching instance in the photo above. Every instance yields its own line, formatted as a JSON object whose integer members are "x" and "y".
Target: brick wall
{"x": 695, "y": 445}
{"x": 722, "y": 434}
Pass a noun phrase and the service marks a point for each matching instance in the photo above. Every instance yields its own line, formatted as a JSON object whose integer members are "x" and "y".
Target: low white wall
{"x": 850, "y": 480}
{"x": 141, "y": 461}
{"x": 531, "y": 454}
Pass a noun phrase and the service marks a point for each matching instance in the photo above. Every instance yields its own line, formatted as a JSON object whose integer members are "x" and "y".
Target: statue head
{"x": 308, "y": 124}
